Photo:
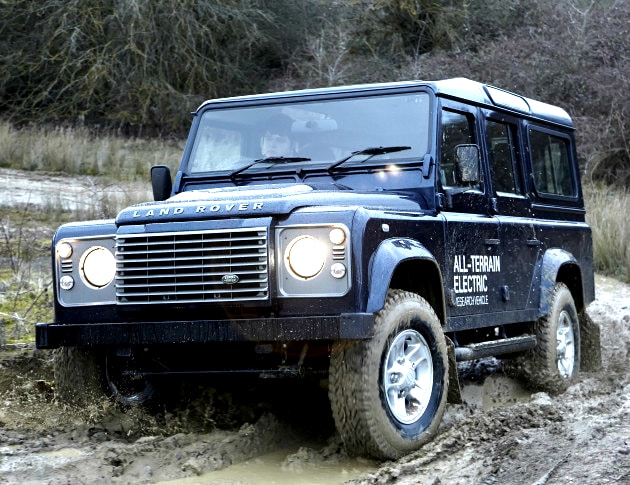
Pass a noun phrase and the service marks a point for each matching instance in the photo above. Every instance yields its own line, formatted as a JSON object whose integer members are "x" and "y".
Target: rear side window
{"x": 503, "y": 157}
{"x": 551, "y": 162}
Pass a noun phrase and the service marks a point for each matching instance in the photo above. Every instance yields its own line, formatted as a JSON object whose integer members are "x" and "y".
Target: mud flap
{"x": 591, "y": 351}
{"x": 454, "y": 391}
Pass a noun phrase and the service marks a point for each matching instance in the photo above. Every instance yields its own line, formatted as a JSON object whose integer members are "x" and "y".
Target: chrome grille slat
{"x": 178, "y": 293}
{"x": 186, "y": 249}
{"x": 192, "y": 274}
{"x": 188, "y": 267}
{"x": 191, "y": 258}
{"x": 160, "y": 239}
{"x": 191, "y": 283}
{"x": 242, "y": 281}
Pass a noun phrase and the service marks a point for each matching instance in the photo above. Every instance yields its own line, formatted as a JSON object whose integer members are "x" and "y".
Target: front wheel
{"x": 126, "y": 384}
{"x": 388, "y": 394}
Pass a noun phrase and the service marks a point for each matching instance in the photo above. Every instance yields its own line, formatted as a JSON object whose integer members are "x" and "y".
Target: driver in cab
{"x": 276, "y": 140}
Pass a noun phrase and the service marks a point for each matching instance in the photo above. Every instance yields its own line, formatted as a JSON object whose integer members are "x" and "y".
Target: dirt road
{"x": 276, "y": 432}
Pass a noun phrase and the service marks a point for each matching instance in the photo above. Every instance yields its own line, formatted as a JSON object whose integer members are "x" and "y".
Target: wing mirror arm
{"x": 427, "y": 164}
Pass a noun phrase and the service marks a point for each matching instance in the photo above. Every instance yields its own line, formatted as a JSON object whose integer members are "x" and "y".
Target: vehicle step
{"x": 495, "y": 347}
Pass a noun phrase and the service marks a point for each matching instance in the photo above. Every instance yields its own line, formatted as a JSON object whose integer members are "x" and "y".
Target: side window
{"x": 457, "y": 129}
{"x": 503, "y": 154}
{"x": 551, "y": 164}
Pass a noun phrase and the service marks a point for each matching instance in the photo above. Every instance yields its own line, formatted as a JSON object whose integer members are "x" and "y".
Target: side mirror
{"x": 161, "y": 182}
{"x": 468, "y": 163}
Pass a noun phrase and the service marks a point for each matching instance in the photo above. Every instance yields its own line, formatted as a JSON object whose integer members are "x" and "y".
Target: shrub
{"x": 134, "y": 63}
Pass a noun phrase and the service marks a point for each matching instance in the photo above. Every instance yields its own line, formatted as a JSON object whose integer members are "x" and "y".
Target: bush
{"x": 135, "y": 63}
{"x": 25, "y": 287}
{"x": 560, "y": 53}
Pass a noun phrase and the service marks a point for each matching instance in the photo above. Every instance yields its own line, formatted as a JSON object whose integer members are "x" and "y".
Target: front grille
{"x": 191, "y": 267}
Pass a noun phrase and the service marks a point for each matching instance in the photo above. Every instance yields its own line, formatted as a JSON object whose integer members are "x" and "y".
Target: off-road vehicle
{"x": 371, "y": 235}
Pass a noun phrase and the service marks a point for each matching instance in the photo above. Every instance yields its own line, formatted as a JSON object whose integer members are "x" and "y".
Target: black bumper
{"x": 351, "y": 326}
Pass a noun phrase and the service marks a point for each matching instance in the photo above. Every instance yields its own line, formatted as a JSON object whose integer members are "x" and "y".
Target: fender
{"x": 552, "y": 261}
{"x": 389, "y": 254}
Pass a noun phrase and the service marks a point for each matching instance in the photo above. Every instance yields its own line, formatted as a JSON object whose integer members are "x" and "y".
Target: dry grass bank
{"x": 608, "y": 213}
{"x": 75, "y": 151}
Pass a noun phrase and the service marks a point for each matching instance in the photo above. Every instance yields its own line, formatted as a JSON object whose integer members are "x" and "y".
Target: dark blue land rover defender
{"x": 374, "y": 235}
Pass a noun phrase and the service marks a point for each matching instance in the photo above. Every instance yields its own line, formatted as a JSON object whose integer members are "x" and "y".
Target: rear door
{"x": 517, "y": 229}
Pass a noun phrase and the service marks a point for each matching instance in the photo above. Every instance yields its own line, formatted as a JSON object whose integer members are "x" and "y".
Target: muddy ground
{"x": 282, "y": 432}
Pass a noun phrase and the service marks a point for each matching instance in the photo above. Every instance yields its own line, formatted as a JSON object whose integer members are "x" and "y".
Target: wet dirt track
{"x": 284, "y": 434}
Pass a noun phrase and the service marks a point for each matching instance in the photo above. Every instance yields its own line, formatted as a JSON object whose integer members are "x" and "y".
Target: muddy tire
{"x": 77, "y": 376}
{"x": 126, "y": 386}
{"x": 555, "y": 362}
{"x": 388, "y": 394}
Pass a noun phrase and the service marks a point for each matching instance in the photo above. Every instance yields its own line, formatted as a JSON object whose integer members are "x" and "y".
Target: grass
{"x": 75, "y": 151}
{"x": 607, "y": 212}
{"x": 25, "y": 278}
{"x": 111, "y": 168}
{"x": 113, "y": 163}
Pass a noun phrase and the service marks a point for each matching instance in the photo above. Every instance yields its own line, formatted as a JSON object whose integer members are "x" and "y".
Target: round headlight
{"x": 306, "y": 256}
{"x": 98, "y": 266}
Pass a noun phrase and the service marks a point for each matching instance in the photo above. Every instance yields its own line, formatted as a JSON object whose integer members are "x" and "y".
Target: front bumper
{"x": 349, "y": 326}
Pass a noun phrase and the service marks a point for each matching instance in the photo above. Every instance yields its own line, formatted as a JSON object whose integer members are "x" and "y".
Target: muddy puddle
{"x": 320, "y": 464}
{"x": 271, "y": 439}
{"x": 303, "y": 466}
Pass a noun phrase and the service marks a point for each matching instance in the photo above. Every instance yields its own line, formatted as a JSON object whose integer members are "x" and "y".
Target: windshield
{"x": 312, "y": 134}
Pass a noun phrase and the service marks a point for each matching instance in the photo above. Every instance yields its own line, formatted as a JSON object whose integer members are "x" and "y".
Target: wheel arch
{"x": 560, "y": 266}
{"x": 405, "y": 264}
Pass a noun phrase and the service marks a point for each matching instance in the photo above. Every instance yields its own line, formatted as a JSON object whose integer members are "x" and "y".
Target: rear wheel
{"x": 555, "y": 362}
{"x": 388, "y": 394}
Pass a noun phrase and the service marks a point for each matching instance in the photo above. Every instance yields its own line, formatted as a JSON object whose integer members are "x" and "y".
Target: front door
{"x": 473, "y": 266}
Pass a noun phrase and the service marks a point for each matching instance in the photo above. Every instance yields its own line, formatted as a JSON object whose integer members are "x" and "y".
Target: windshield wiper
{"x": 268, "y": 159}
{"x": 370, "y": 152}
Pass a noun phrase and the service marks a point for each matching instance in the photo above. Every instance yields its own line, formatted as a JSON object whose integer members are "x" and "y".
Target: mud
{"x": 84, "y": 193}
{"x": 282, "y": 432}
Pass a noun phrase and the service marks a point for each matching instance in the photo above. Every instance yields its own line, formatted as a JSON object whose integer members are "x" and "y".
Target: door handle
{"x": 492, "y": 242}
{"x": 533, "y": 242}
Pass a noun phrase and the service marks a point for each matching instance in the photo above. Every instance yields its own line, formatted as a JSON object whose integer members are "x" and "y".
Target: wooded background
{"x": 138, "y": 67}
